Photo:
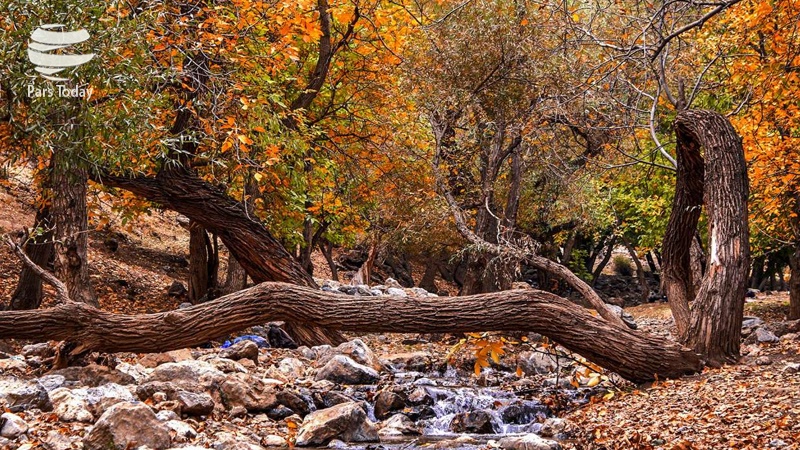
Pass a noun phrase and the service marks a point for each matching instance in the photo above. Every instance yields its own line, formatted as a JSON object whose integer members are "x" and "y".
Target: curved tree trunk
{"x": 634, "y": 355}
{"x": 604, "y": 262}
{"x": 714, "y": 329}
{"x": 676, "y": 269}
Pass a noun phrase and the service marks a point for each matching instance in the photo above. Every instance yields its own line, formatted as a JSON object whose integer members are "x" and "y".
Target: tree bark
{"x": 70, "y": 220}
{"x": 203, "y": 265}
{"x": 634, "y": 355}
{"x": 326, "y": 248}
{"x": 28, "y": 293}
{"x": 235, "y": 276}
{"x": 259, "y": 253}
{"x": 676, "y": 269}
{"x": 715, "y": 328}
{"x": 794, "y": 284}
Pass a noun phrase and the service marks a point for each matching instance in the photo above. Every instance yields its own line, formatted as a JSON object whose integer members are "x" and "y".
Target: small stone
{"x": 70, "y": 407}
{"x": 792, "y": 368}
{"x": 554, "y": 426}
{"x": 57, "y": 441}
{"x": 528, "y": 442}
{"x": 343, "y": 370}
{"x": 751, "y": 322}
{"x": 764, "y": 336}
{"x": 396, "y": 292}
{"x": 13, "y": 426}
{"x": 238, "y": 411}
{"x": 413, "y": 361}
{"x": 359, "y": 352}
{"x": 763, "y": 361}
{"x": 21, "y": 396}
{"x": 181, "y": 431}
{"x": 42, "y": 350}
{"x": 177, "y": 289}
{"x": 399, "y": 425}
{"x": 194, "y": 404}
{"x": 273, "y": 440}
{"x": 386, "y": 402}
{"x": 479, "y": 422}
{"x": 244, "y": 349}
{"x": 167, "y": 415}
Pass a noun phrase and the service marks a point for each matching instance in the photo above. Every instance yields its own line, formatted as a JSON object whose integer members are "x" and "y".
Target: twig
{"x": 62, "y": 293}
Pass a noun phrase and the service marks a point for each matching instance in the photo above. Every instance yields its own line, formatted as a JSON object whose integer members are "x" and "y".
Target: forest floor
{"x": 754, "y": 404}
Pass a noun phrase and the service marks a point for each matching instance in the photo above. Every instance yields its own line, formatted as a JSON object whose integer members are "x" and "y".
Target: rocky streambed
{"x": 248, "y": 397}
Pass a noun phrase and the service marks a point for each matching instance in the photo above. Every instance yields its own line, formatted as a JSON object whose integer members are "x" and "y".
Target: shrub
{"x": 623, "y": 266}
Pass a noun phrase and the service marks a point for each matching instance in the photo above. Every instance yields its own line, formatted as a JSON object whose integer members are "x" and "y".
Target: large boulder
{"x": 127, "y": 425}
{"x": 347, "y": 422}
{"x": 479, "y": 422}
{"x": 343, "y": 370}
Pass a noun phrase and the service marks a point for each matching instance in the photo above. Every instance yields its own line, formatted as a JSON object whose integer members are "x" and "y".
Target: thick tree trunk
{"x": 428, "y": 280}
{"x": 203, "y": 265}
{"x": 634, "y": 355}
{"x": 794, "y": 284}
{"x": 716, "y": 321}
{"x": 28, "y": 294}
{"x": 261, "y": 255}
{"x": 70, "y": 220}
{"x": 677, "y": 281}
{"x": 698, "y": 261}
{"x": 235, "y": 276}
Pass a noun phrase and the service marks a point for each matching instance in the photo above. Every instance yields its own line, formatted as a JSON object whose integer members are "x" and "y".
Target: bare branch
{"x": 62, "y": 294}
{"x": 696, "y": 24}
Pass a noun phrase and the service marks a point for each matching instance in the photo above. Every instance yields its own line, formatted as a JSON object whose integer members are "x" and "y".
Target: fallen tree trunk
{"x": 634, "y": 355}
{"x": 253, "y": 246}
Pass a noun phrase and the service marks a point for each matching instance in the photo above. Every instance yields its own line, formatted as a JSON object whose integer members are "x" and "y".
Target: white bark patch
{"x": 714, "y": 256}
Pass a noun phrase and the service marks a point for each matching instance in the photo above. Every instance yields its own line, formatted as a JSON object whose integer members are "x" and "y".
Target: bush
{"x": 623, "y": 266}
